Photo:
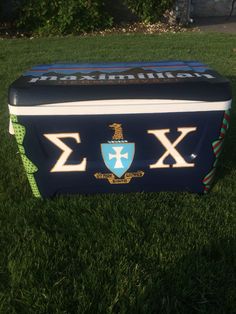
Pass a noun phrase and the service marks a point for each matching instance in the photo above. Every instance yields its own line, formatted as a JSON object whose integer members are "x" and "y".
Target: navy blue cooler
{"x": 119, "y": 127}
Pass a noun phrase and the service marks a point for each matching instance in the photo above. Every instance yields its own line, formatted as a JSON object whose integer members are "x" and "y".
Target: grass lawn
{"x": 133, "y": 253}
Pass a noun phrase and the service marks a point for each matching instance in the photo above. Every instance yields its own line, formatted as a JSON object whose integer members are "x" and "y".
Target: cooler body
{"x": 100, "y": 131}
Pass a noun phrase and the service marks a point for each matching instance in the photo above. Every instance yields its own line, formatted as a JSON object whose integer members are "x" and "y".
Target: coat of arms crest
{"x": 118, "y": 155}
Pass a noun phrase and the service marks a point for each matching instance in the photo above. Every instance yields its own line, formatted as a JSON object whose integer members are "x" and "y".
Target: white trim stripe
{"x": 121, "y": 106}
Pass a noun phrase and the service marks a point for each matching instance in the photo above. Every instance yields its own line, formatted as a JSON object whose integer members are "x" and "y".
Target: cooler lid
{"x": 83, "y": 83}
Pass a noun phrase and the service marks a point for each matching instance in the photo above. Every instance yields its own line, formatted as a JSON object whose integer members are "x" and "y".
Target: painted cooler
{"x": 119, "y": 127}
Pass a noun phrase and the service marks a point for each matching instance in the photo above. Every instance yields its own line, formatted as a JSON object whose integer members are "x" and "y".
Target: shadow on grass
{"x": 127, "y": 255}
{"x": 202, "y": 282}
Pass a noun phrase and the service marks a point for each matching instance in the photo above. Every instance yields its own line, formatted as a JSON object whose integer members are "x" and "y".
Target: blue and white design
{"x": 115, "y": 67}
{"x": 118, "y": 157}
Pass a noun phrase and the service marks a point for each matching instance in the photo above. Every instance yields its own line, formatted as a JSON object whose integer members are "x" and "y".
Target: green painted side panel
{"x": 30, "y": 168}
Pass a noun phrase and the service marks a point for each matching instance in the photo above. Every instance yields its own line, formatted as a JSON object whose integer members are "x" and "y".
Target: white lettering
{"x": 48, "y": 78}
{"x": 141, "y": 76}
{"x": 87, "y": 77}
{"x": 171, "y": 148}
{"x": 169, "y": 75}
{"x": 102, "y": 77}
{"x": 209, "y": 76}
{"x": 69, "y": 78}
{"x": 184, "y": 75}
{"x": 160, "y": 75}
{"x": 60, "y": 165}
{"x": 34, "y": 80}
{"x": 121, "y": 77}
{"x": 150, "y": 75}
